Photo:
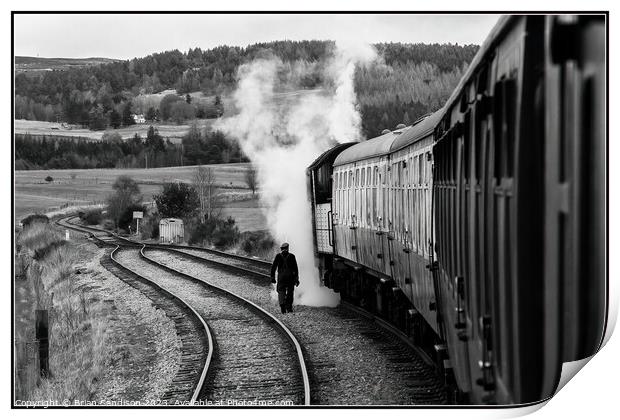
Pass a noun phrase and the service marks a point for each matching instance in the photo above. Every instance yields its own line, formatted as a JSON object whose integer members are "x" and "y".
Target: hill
{"x": 411, "y": 80}
{"x": 26, "y": 64}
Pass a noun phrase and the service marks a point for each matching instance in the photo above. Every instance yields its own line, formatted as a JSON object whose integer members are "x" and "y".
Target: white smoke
{"x": 282, "y": 134}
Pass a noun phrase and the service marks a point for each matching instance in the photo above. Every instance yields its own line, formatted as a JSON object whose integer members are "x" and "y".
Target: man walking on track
{"x": 288, "y": 277}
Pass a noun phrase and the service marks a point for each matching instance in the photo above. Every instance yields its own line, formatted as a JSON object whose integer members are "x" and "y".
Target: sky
{"x": 128, "y": 36}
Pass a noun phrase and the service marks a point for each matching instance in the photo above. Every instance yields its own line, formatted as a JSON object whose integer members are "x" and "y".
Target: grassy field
{"x": 33, "y": 194}
{"x": 24, "y": 63}
{"x": 174, "y": 132}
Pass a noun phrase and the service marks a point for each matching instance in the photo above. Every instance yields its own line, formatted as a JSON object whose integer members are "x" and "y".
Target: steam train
{"x": 479, "y": 232}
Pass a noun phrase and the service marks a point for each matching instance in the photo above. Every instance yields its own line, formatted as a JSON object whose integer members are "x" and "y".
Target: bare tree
{"x": 250, "y": 179}
{"x": 204, "y": 184}
{"x": 126, "y": 193}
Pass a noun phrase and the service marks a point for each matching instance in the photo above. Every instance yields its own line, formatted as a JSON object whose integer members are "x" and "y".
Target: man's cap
{"x": 284, "y": 245}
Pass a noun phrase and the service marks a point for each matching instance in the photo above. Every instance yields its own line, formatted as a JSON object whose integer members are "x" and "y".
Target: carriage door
{"x": 496, "y": 325}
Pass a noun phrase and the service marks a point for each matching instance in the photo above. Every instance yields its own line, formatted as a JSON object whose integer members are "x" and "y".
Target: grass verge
{"x": 47, "y": 279}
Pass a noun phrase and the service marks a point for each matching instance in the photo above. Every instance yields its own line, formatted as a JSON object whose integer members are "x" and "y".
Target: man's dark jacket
{"x": 287, "y": 269}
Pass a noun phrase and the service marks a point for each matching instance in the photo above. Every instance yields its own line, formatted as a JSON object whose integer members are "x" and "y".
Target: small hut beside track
{"x": 171, "y": 231}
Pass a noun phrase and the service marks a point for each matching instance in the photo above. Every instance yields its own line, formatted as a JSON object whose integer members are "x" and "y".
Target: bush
{"x": 149, "y": 227}
{"x": 218, "y": 232}
{"x": 177, "y": 199}
{"x": 34, "y": 218}
{"x": 37, "y": 237}
{"x": 253, "y": 243}
{"x": 92, "y": 217}
{"x": 126, "y": 195}
{"x": 127, "y": 216}
{"x": 108, "y": 224}
{"x": 42, "y": 253}
{"x": 49, "y": 178}
{"x": 201, "y": 232}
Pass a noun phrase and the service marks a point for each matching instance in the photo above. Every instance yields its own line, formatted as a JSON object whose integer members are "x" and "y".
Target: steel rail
{"x": 224, "y": 265}
{"x": 287, "y": 333}
{"x": 187, "y": 306}
{"x": 164, "y": 291}
{"x": 290, "y": 336}
{"x": 257, "y": 261}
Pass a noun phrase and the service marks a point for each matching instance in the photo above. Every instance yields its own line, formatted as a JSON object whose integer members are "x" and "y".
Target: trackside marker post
{"x": 138, "y": 215}
{"x": 42, "y": 336}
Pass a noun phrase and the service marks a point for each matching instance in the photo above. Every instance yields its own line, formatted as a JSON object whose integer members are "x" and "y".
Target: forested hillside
{"x": 408, "y": 81}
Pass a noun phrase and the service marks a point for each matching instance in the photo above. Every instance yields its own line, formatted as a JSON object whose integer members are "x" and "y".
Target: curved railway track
{"x": 194, "y": 333}
{"x": 250, "y": 265}
{"x": 102, "y": 238}
{"x": 238, "y": 264}
{"x": 400, "y": 352}
{"x": 420, "y": 380}
{"x": 250, "y": 350}
{"x": 249, "y": 347}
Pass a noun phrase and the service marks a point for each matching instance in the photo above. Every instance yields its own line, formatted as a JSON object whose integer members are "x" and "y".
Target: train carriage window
{"x": 367, "y": 208}
{"x": 382, "y": 198}
{"x": 503, "y": 123}
{"x": 420, "y": 170}
{"x": 467, "y": 147}
{"x": 478, "y": 153}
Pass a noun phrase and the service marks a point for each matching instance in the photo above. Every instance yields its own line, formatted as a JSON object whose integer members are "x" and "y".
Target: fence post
{"x": 42, "y": 336}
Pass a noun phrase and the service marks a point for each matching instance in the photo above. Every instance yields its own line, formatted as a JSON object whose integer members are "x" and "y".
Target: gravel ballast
{"x": 351, "y": 361}
{"x": 253, "y": 360}
{"x": 142, "y": 343}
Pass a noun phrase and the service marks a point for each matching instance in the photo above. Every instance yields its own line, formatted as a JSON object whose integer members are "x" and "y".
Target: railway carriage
{"x": 479, "y": 231}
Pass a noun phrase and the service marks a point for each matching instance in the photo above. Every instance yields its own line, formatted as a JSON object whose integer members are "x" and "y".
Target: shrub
{"x": 92, "y": 217}
{"x": 215, "y": 231}
{"x": 42, "y": 253}
{"x": 38, "y": 236}
{"x": 178, "y": 200}
{"x": 149, "y": 227}
{"x": 34, "y": 218}
{"x": 202, "y": 231}
{"x": 126, "y": 194}
{"x": 108, "y": 224}
{"x": 259, "y": 243}
{"x": 251, "y": 242}
{"x": 127, "y": 216}
{"x": 49, "y": 178}
{"x": 225, "y": 234}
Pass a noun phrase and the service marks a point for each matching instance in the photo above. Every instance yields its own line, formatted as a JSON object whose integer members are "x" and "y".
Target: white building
{"x": 139, "y": 118}
{"x": 171, "y": 231}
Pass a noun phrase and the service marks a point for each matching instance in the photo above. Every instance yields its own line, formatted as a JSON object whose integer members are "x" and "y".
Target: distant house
{"x": 138, "y": 118}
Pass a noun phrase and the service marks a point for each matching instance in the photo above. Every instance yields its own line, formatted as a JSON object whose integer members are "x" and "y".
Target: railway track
{"x": 101, "y": 237}
{"x": 242, "y": 265}
{"x": 254, "y": 355}
{"x": 420, "y": 381}
{"x": 194, "y": 333}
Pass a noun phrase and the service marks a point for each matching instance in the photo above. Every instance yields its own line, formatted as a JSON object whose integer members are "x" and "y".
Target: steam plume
{"x": 282, "y": 134}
